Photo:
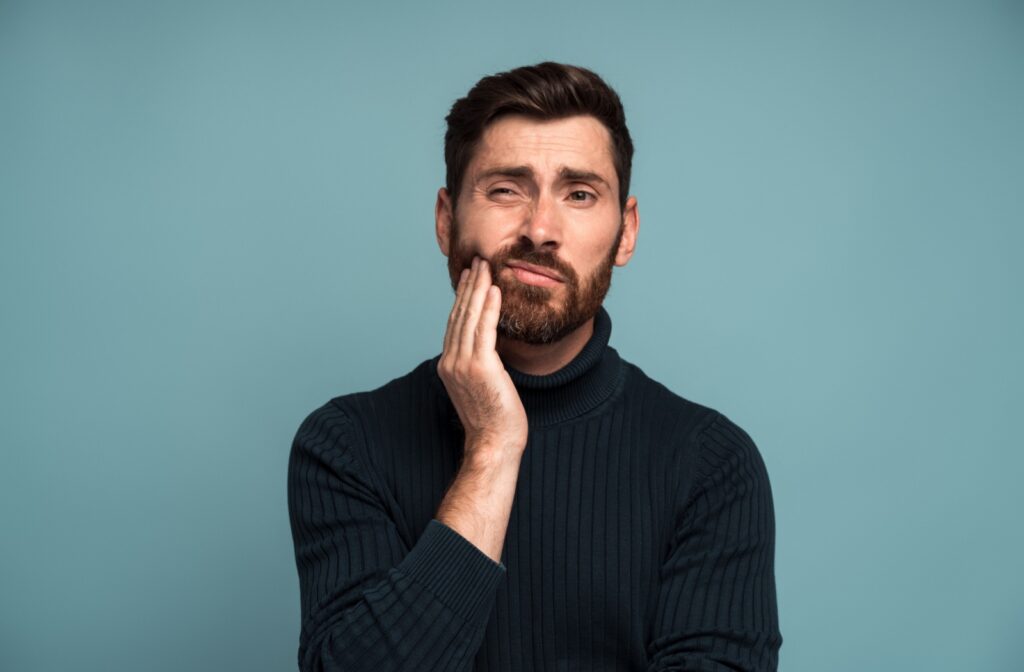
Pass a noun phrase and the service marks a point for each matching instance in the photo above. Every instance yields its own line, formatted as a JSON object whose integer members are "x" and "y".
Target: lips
{"x": 539, "y": 270}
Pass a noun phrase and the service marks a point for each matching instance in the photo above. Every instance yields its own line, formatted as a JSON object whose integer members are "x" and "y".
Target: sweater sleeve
{"x": 369, "y": 602}
{"x": 716, "y": 606}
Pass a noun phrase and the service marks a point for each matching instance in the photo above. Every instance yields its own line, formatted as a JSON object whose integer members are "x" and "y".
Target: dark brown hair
{"x": 544, "y": 91}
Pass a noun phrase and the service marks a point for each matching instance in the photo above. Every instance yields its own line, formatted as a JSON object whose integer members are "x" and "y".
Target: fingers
{"x": 487, "y": 327}
{"x": 474, "y": 307}
{"x": 453, "y": 315}
{"x": 460, "y": 309}
{"x": 473, "y": 320}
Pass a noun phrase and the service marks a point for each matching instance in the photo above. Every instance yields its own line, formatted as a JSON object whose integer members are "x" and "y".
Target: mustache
{"x": 525, "y": 252}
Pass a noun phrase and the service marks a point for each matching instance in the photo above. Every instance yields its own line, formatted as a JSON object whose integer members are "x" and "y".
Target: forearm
{"x": 479, "y": 501}
{"x": 372, "y": 599}
{"x": 429, "y": 612}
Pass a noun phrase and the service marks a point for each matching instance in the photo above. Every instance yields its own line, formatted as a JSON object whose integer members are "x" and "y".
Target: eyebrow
{"x": 565, "y": 173}
{"x": 572, "y": 175}
{"x": 506, "y": 171}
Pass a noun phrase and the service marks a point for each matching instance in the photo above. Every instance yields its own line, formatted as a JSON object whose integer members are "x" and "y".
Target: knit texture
{"x": 641, "y": 537}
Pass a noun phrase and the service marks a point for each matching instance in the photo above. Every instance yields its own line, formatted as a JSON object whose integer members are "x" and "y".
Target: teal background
{"x": 218, "y": 215}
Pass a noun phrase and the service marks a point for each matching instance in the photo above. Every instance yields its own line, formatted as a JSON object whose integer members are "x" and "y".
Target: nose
{"x": 542, "y": 225}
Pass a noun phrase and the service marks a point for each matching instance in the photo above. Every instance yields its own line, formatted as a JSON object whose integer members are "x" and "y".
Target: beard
{"x": 526, "y": 314}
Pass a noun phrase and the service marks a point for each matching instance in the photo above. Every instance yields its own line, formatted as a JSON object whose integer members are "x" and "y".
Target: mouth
{"x": 535, "y": 275}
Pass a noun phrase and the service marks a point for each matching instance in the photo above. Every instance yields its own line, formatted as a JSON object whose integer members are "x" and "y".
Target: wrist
{"x": 489, "y": 457}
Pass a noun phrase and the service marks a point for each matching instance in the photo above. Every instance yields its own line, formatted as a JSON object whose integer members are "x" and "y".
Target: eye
{"x": 580, "y": 196}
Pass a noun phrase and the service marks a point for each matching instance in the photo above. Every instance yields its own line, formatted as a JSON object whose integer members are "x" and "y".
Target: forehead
{"x": 579, "y": 142}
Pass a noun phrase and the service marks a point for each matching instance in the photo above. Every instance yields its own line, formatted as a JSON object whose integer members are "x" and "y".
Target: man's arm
{"x": 717, "y": 605}
{"x": 479, "y": 502}
{"x": 368, "y": 601}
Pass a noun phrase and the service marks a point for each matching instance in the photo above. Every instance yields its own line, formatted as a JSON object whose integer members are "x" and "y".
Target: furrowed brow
{"x": 506, "y": 171}
{"x": 573, "y": 175}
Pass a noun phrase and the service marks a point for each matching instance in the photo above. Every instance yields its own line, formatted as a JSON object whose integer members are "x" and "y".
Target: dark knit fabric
{"x": 641, "y": 536}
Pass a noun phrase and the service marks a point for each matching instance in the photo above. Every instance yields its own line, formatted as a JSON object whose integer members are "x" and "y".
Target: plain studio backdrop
{"x": 218, "y": 215}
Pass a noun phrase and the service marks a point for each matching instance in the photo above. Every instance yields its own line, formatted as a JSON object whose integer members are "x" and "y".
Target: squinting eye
{"x": 501, "y": 191}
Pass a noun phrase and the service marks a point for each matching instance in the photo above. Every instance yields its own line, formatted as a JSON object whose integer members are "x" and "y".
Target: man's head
{"x": 538, "y": 163}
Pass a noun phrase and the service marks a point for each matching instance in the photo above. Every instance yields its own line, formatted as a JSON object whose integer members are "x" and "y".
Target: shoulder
{"x": 403, "y": 390}
{"x": 715, "y": 443}
{"x": 342, "y": 421}
{"x": 325, "y": 436}
{"x": 728, "y": 453}
{"x": 665, "y": 406}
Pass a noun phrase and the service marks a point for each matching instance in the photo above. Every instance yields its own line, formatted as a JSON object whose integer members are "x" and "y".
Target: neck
{"x": 540, "y": 360}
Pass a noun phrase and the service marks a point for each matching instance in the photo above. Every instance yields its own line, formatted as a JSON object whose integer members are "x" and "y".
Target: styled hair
{"x": 545, "y": 91}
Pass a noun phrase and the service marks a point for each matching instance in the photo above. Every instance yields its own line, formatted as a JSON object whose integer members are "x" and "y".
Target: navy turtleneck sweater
{"x": 641, "y": 535}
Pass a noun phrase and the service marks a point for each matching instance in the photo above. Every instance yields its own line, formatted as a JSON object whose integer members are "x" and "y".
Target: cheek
{"x": 467, "y": 247}
{"x": 485, "y": 237}
{"x": 599, "y": 252}
{"x": 470, "y": 245}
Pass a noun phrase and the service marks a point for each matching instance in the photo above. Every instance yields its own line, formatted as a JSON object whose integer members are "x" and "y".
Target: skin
{"x": 572, "y": 219}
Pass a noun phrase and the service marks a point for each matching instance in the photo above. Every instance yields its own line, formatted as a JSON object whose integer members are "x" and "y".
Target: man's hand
{"x": 479, "y": 502}
{"x": 478, "y": 384}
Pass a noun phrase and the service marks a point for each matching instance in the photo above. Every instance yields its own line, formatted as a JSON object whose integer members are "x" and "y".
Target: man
{"x": 527, "y": 500}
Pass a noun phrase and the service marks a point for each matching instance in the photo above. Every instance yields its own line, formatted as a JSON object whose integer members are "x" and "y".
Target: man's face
{"x": 540, "y": 202}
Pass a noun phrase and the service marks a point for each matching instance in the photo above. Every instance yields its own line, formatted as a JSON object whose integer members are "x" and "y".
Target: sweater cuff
{"x": 454, "y": 570}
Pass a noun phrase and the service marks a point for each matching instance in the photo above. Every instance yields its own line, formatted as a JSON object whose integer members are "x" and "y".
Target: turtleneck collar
{"x": 575, "y": 389}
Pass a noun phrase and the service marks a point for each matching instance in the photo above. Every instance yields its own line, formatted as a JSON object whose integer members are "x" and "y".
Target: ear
{"x": 443, "y": 220}
{"x": 630, "y": 230}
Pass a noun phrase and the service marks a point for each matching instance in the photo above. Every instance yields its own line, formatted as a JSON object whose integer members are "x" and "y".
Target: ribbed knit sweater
{"x": 641, "y": 535}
